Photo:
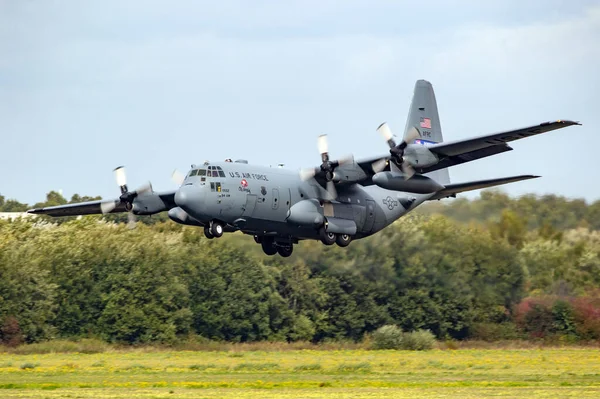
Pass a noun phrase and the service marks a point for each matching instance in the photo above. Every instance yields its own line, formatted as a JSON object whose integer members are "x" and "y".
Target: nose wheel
{"x": 213, "y": 230}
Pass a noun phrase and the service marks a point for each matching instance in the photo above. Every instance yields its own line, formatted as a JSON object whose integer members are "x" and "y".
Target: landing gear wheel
{"x": 268, "y": 247}
{"x": 285, "y": 251}
{"x": 207, "y": 233}
{"x": 343, "y": 240}
{"x": 326, "y": 238}
{"x": 216, "y": 229}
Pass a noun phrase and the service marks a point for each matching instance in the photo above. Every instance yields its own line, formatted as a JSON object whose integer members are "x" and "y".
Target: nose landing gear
{"x": 213, "y": 230}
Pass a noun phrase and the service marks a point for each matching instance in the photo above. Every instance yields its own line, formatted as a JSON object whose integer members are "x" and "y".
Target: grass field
{"x": 465, "y": 373}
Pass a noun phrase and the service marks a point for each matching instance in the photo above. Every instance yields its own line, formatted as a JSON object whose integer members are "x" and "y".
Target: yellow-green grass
{"x": 527, "y": 373}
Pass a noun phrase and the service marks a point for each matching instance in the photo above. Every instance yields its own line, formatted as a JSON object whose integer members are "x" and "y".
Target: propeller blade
{"x": 144, "y": 189}
{"x": 322, "y": 144}
{"x": 108, "y": 206}
{"x": 120, "y": 176}
{"x": 331, "y": 190}
{"x": 307, "y": 174}
{"x": 177, "y": 177}
{"x": 131, "y": 220}
{"x": 346, "y": 160}
{"x": 411, "y": 135}
{"x": 379, "y": 165}
{"x": 407, "y": 170}
{"x": 385, "y": 131}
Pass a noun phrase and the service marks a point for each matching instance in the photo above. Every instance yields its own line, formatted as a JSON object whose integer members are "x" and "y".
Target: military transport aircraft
{"x": 335, "y": 202}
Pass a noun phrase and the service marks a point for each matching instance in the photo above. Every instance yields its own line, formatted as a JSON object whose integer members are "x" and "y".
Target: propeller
{"x": 327, "y": 166}
{"x": 177, "y": 177}
{"x": 397, "y": 150}
{"x": 127, "y": 197}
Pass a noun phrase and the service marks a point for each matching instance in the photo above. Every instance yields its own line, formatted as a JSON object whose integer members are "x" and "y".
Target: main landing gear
{"x": 213, "y": 230}
{"x": 271, "y": 247}
{"x": 329, "y": 238}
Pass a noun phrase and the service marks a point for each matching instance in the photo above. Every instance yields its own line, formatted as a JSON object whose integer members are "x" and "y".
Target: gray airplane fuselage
{"x": 257, "y": 200}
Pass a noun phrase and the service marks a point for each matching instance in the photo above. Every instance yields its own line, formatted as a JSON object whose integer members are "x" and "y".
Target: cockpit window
{"x": 221, "y": 173}
{"x": 193, "y": 173}
{"x": 201, "y": 172}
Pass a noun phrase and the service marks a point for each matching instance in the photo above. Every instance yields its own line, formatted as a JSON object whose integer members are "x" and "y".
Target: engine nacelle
{"x": 306, "y": 213}
{"x": 178, "y": 215}
{"x": 419, "y": 156}
{"x": 147, "y": 204}
{"x": 416, "y": 184}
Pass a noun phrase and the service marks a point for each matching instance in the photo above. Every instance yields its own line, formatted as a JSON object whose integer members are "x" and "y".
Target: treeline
{"x": 547, "y": 211}
{"x": 165, "y": 282}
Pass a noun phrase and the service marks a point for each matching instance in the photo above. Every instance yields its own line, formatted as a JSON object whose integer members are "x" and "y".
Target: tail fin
{"x": 423, "y": 114}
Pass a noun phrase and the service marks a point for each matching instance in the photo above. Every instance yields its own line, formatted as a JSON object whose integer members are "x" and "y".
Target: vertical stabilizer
{"x": 423, "y": 114}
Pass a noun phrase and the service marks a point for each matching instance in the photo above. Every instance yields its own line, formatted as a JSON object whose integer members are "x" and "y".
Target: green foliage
{"x": 363, "y": 367}
{"x": 62, "y": 346}
{"x": 551, "y": 213}
{"x": 387, "y": 337}
{"x": 419, "y": 340}
{"x": 308, "y": 367}
{"x": 392, "y": 337}
{"x": 28, "y": 366}
{"x": 494, "y": 331}
{"x": 165, "y": 283}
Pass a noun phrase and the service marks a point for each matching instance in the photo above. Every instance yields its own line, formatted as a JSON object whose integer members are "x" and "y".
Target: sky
{"x": 157, "y": 86}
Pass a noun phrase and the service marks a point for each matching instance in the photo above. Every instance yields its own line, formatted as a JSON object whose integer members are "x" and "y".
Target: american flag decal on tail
{"x": 426, "y": 123}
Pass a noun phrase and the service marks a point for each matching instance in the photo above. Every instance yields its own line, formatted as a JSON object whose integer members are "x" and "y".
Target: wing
{"x": 456, "y": 152}
{"x": 452, "y": 189}
{"x": 82, "y": 208}
{"x": 158, "y": 202}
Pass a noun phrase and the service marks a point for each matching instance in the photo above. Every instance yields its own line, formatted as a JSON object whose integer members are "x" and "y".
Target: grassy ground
{"x": 465, "y": 373}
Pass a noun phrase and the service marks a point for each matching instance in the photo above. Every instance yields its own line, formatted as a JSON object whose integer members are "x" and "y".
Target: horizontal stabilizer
{"x": 452, "y": 189}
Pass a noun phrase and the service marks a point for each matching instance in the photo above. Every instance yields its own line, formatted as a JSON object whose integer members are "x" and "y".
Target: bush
{"x": 491, "y": 332}
{"x": 60, "y": 346}
{"x": 387, "y": 337}
{"x": 28, "y": 366}
{"x": 539, "y": 321}
{"x": 419, "y": 340}
{"x": 392, "y": 337}
{"x": 10, "y": 332}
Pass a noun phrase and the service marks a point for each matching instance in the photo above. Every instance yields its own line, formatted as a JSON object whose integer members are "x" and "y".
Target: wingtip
{"x": 569, "y": 122}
